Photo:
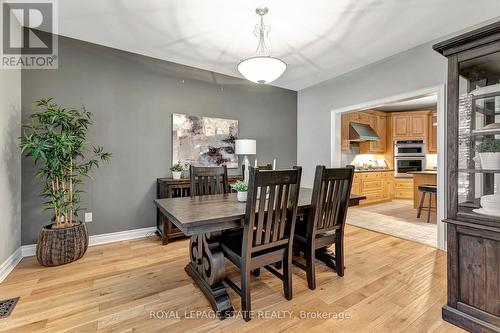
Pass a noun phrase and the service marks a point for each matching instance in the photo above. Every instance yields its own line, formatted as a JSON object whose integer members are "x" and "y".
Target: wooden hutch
{"x": 473, "y": 231}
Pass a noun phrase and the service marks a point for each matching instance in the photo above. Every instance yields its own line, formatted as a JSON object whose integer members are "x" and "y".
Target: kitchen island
{"x": 419, "y": 178}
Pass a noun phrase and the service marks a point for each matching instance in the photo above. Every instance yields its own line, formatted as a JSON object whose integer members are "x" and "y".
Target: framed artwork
{"x": 204, "y": 141}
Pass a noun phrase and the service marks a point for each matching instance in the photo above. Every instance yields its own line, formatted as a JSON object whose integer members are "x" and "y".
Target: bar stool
{"x": 426, "y": 188}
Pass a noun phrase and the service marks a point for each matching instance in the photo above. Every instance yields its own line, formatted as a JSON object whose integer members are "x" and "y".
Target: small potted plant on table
{"x": 489, "y": 153}
{"x": 241, "y": 188}
{"x": 177, "y": 170}
{"x": 56, "y": 140}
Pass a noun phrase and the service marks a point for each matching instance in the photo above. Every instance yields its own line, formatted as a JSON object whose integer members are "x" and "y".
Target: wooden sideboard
{"x": 174, "y": 188}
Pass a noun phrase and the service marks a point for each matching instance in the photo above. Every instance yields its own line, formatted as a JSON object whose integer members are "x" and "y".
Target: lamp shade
{"x": 262, "y": 69}
{"x": 245, "y": 147}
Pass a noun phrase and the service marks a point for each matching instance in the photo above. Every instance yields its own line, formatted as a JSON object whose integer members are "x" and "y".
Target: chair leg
{"x": 420, "y": 205}
{"x": 287, "y": 275}
{"x": 429, "y": 212}
{"x": 256, "y": 272}
{"x": 311, "y": 276}
{"x": 339, "y": 253}
{"x": 245, "y": 293}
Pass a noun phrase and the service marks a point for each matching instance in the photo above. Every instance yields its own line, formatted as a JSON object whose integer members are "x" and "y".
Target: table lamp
{"x": 245, "y": 147}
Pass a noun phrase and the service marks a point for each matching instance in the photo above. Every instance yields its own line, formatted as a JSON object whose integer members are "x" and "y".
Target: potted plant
{"x": 177, "y": 169}
{"x": 489, "y": 153}
{"x": 56, "y": 140}
{"x": 241, "y": 187}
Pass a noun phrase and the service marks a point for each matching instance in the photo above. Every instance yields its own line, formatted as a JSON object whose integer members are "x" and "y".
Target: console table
{"x": 174, "y": 188}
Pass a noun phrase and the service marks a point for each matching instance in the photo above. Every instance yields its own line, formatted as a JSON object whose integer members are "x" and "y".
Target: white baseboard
{"x": 9, "y": 264}
{"x": 30, "y": 250}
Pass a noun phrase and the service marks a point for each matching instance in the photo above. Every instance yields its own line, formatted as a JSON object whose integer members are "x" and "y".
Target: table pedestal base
{"x": 208, "y": 272}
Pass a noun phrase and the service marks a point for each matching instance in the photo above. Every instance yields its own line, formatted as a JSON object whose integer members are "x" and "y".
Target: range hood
{"x": 360, "y": 132}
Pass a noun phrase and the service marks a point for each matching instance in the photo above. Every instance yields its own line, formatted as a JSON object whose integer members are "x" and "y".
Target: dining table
{"x": 204, "y": 219}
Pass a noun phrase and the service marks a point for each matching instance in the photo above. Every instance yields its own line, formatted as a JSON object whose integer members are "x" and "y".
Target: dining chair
{"x": 208, "y": 180}
{"x": 267, "y": 232}
{"x": 325, "y": 221}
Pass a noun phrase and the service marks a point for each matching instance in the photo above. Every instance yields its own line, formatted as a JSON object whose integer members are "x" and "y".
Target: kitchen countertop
{"x": 425, "y": 172}
{"x": 374, "y": 170}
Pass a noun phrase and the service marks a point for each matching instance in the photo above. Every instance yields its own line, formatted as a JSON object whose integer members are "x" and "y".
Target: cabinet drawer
{"x": 371, "y": 185}
{"x": 403, "y": 193}
{"x": 371, "y": 197}
{"x": 388, "y": 175}
{"x": 368, "y": 176}
{"x": 406, "y": 183}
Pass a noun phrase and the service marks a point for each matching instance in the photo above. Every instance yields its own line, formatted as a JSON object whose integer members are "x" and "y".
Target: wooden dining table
{"x": 204, "y": 218}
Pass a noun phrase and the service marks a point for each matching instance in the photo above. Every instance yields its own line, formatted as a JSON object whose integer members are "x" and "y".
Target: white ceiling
{"x": 318, "y": 39}
{"x": 411, "y": 104}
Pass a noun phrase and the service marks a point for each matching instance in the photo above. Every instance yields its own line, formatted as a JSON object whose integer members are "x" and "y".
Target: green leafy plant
{"x": 489, "y": 145}
{"x": 239, "y": 186}
{"x": 56, "y": 140}
{"x": 177, "y": 167}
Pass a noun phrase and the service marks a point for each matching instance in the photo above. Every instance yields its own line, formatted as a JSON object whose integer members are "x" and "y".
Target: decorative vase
{"x": 57, "y": 247}
{"x": 176, "y": 175}
{"x": 242, "y": 196}
{"x": 490, "y": 161}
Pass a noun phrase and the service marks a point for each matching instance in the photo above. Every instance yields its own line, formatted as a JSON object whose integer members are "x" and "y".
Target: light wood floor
{"x": 390, "y": 285}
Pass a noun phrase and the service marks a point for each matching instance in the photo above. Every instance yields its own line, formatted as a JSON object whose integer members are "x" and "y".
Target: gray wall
{"x": 10, "y": 163}
{"x": 414, "y": 69}
{"x": 133, "y": 98}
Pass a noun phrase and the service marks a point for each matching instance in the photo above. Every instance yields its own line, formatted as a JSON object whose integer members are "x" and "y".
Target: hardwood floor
{"x": 390, "y": 285}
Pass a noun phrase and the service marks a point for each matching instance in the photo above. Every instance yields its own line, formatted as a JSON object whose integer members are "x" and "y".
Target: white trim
{"x": 335, "y": 144}
{"x": 9, "y": 264}
{"x": 30, "y": 250}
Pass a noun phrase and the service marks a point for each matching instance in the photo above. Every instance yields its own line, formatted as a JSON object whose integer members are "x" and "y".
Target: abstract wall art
{"x": 204, "y": 141}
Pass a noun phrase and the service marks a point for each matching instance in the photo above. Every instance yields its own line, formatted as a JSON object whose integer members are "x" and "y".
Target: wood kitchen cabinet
{"x": 432, "y": 142}
{"x": 403, "y": 188}
{"x": 410, "y": 125}
{"x": 400, "y": 126}
{"x": 344, "y": 131}
{"x": 377, "y": 186}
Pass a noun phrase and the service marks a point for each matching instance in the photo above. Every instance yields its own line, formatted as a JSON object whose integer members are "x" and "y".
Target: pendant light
{"x": 262, "y": 68}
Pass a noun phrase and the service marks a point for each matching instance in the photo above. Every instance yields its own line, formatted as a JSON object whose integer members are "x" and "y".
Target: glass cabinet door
{"x": 479, "y": 136}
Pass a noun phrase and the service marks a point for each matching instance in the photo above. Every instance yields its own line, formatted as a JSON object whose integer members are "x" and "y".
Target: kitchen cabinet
{"x": 418, "y": 125}
{"x": 377, "y": 186}
{"x": 410, "y": 125}
{"x": 432, "y": 142}
{"x": 388, "y": 186}
{"x": 376, "y": 120}
{"x": 344, "y": 131}
{"x": 400, "y": 126}
{"x": 403, "y": 188}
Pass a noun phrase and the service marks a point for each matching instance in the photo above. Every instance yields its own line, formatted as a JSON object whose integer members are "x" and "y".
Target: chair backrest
{"x": 270, "y": 217}
{"x": 208, "y": 180}
{"x": 260, "y": 167}
{"x": 330, "y": 199}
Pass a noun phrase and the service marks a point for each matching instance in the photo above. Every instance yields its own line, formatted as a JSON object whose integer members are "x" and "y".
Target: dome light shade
{"x": 262, "y": 69}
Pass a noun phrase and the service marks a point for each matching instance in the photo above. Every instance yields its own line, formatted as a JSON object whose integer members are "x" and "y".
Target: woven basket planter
{"x": 61, "y": 246}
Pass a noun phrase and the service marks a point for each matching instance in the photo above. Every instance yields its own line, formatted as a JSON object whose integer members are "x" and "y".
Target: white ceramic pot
{"x": 490, "y": 160}
{"x": 242, "y": 196}
{"x": 176, "y": 174}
